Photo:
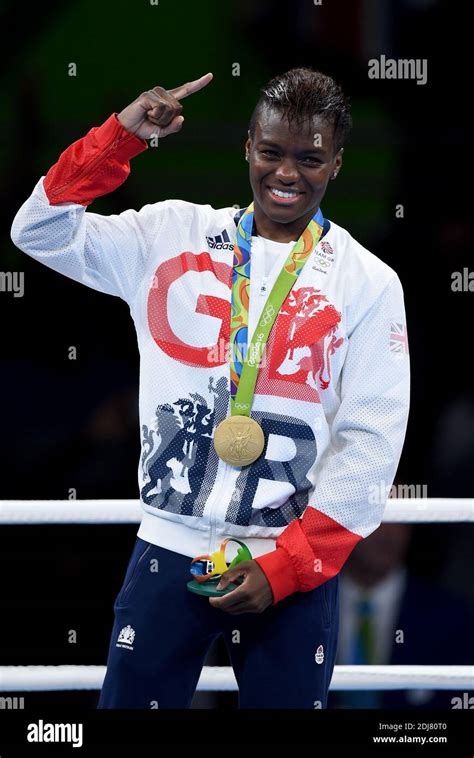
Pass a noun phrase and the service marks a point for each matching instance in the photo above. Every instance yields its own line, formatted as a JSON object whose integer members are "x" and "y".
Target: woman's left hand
{"x": 252, "y": 596}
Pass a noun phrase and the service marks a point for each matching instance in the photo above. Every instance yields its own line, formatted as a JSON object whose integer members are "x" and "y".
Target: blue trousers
{"x": 282, "y": 658}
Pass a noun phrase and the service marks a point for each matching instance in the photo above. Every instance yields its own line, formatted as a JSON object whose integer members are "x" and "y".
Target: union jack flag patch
{"x": 398, "y": 338}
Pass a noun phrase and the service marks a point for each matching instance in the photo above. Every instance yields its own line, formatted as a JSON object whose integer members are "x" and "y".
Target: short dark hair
{"x": 302, "y": 93}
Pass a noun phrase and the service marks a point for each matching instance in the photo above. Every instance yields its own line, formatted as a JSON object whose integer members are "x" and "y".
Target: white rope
{"x": 43, "y": 678}
{"x": 70, "y": 512}
{"x": 403, "y": 510}
{"x": 428, "y": 510}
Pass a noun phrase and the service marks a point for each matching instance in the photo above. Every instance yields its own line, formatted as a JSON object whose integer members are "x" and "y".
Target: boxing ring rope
{"x": 44, "y": 678}
{"x": 397, "y": 510}
{"x": 69, "y": 677}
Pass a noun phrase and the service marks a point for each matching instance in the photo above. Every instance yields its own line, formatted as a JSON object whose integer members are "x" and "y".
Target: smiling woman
{"x": 276, "y": 438}
{"x": 294, "y": 147}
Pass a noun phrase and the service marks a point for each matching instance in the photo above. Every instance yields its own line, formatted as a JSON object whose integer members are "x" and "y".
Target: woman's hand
{"x": 158, "y": 111}
{"x": 252, "y": 596}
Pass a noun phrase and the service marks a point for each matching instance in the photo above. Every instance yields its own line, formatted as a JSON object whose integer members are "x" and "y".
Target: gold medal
{"x": 239, "y": 440}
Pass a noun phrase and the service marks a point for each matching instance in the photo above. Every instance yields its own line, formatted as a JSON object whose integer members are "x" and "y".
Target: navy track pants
{"x": 282, "y": 658}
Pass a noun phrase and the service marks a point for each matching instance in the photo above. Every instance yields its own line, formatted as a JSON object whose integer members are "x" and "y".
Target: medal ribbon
{"x": 244, "y": 358}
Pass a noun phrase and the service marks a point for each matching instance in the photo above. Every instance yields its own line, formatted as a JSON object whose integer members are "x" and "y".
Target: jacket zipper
{"x": 88, "y": 167}
{"x": 213, "y": 514}
{"x": 263, "y": 287}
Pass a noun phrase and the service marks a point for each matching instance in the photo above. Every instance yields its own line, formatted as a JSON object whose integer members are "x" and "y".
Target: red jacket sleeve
{"x": 360, "y": 463}
{"x": 94, "y": 165}
{"x": 318, "y": 546}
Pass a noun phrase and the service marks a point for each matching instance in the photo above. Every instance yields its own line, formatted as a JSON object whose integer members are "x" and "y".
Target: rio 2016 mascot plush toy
{"x": 208, "y": 569}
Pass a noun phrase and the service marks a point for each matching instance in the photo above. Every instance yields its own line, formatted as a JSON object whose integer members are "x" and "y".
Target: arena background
{"x": 73, "y": 423}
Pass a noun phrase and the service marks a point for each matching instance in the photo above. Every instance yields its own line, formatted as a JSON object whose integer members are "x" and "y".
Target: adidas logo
{"x": 127, "y": 635}
{"x": 220, "y": 242}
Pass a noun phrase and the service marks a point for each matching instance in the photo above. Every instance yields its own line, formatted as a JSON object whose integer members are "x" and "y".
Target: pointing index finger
{"x": 188, "y": 89}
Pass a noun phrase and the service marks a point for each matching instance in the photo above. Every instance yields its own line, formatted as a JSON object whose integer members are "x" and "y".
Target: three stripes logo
{"x": 220, "y": 242}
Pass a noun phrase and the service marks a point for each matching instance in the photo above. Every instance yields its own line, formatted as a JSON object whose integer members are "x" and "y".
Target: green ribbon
{"x": 245, "y": 359}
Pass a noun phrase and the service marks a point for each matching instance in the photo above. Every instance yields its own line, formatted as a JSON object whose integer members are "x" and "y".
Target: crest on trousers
{"x": 126, "y": 637}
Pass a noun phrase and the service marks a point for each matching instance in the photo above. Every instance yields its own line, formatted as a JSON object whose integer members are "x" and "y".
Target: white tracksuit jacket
{"x": 332, "y": 397}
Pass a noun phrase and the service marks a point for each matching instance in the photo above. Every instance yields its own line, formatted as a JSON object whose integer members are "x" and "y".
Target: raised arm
{"x": 107, "y": 253}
